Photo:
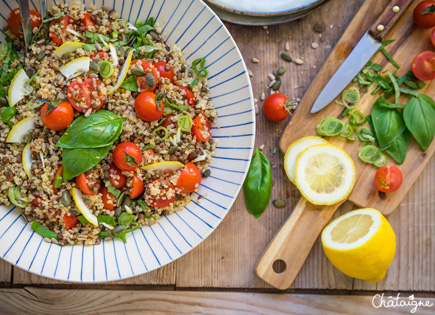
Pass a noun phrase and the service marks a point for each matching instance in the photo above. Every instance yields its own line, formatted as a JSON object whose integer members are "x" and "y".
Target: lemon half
{"x": 19, "y": 131}
{"x": 361, "y": 244}
{"x": 19, "y": 87}
{"x": 324, "y": 174}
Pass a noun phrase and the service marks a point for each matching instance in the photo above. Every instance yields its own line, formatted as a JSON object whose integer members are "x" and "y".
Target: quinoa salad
{"x": 104, "y": 127}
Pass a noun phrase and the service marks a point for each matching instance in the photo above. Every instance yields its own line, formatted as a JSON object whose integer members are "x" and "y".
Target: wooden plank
{"x": 5, "y": 271}
{"x": 47, "y": 301}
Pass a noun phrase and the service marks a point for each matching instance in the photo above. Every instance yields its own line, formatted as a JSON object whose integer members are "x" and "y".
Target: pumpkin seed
{"x": 126, "y": 202}
{"x": 120, "y": 51}
{"x": 150, "y": 80}
{"x": 120, "y": 200}
{"x": 74, "y": 211}
{"x": 277, "y": 85}
{"x": 118, "y": 212}
{"x": 206, "y": 173}
{"x": 155, "y": 35}
{"x": 281, "y": 70}
{"x": 94, "y": 66}
{"x": 41, "y": 56}
{"x": 137, "y": 72}
{"x": 3, "y": 101}
{"x": 24, "y": 217}
{"x": 109, "y": 233}
{"x": 279, "y": 203}
{"x": 173, "y": 149}
{"x": 29, "y": 71}
{"x": 66, "y": 199}
{"x": 286, "y": 57}
{"x": 118, "y": 229}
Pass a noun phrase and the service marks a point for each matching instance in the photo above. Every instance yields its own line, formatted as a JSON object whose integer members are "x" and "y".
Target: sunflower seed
{"x": 47, "y": 240}
{"x": 257, "y": 110}
{"x": 53, "y": 240}
{"x": 255, "y": 60}
{"x": 137, "y": 72}
{"x": 250, "y": 73}
{"x": 279, "y": 203}
{"x": 287, "y": 46}
{"x": 272, "y": 83}
{"x": 315, "y": 45}
{"x": 299, "y": 61}
{"x": 271, "y": 77}
{"x": 286, "y": 57}
{"x": 88, "y": 112}
{"x": 263, "y": 96}
{"x": 261, "y": 147}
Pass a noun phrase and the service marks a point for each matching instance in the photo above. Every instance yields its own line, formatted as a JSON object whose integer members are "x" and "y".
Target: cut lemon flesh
{"x": 122, "y": 73}
{"x": 324, "y": 174}
{"x": 20, "y": 130}
{"x": 67, "y": 47}
{"x": 27, "y": 160}
{"x": 19, "y": 87}
{"x": 294, "y": 150}
{"x": 76, "y": 67}
{"x": 170, "y": 166}
{"x": 82, "y": 207}
{"x": 114, "y": 55}
{"x": 361, "y": 244}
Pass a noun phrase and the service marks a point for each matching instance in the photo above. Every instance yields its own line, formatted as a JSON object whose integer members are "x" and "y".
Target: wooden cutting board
{"x": 295, "y": 239}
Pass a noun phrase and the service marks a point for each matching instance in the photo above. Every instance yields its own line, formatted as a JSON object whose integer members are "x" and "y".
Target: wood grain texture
{"x": 46, "y": 301}
{"x": 5, "y": 271}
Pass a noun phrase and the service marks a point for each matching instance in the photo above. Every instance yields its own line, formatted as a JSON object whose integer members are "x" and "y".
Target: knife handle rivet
{"x": 396, "y": 9}
{"x": 380, "y": 28}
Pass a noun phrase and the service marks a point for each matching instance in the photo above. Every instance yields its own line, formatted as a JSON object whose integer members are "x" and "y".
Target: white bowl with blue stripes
{"x": 195, "y": 28}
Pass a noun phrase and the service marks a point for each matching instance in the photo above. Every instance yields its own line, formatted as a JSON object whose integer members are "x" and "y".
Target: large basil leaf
{"x": 388, "y": 123}
{"x": 258, "y": 184}
{"x": 399, "y": 147}
{"x": 98, "y": 130}
{"x": 419, "y": 116}
{"x": 77, "y": 161}
{"x": 44, "y": 232}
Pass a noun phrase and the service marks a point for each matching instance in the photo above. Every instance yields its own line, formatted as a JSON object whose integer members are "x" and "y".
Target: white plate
{"x": 199, "y": 32}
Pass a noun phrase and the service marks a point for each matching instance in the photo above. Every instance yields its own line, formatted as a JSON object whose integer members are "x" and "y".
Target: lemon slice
{"x": 122, "y": 73}
{"x": 19, "y": 87}
{"x": 27, "y": 160}
{"x": 114, "y": 54}
{"x": 324, "y": 174}
{"x": 20, "y": 130}
{"x": 75, "y": 67}
{"x": 294, "y": 150}
{"x": 361, "y": 244}
{"x": 83, "y": 208}
{"x": 67, "y": 47}
{"x": 170, "y": 166}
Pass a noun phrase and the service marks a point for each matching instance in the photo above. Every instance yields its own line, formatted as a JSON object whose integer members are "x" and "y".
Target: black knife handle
{"x": 388, "y": 18}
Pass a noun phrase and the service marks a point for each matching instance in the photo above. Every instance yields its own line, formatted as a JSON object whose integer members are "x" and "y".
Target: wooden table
{"x": 225, "y": 261}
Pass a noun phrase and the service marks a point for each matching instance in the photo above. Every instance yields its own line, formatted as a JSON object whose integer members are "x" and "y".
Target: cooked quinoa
{"x": 41, "y": 200}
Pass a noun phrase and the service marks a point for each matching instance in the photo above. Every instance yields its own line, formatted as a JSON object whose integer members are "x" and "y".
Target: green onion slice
{"x": 194, "y": 82}
{"x": 366, "y": 135}
{"x": 357, "y": 118}
{"x": 201, "y": 72}
{"x": 7, "y": 113}
{"x": 330, "y": 126}
{"x": 106, "y": 69}
{"x": 185, "y": 123}
{"x": 15, "y": 197}
{"x": 347, "y": 131}
{"x": 147, "y": 147}
{"x": 350, "y": 97}
{"x": 57, "y": 182}
{"x": 158, "y": 136}
{"x": 382, "y": 161}
{"x": 142, "y": 204}
{"x": 369, "y": 154}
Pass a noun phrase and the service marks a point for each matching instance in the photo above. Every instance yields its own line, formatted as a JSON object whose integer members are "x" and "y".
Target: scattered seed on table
{"x": 255, "y": 60}
{"x": 277, "y": 85}
{"x": 274, "y": 151}
{"x": 319, "y": 28}
{"x": 257, "y": 110}
{"x": 251, "y": 74}
{"x": 281, "y": 70}
{"x": 271, "y": 77}
{"x": 261, "y": 147}
{"x": 286, "y": 57}
{"x": 272, "y": 83}
{"x": 263, "y": 96}
{"x": 299, "y": 61}
{"x": 279, "y": 203}
{"x": 287, "y": 46}
{"x": 315, "y": 45}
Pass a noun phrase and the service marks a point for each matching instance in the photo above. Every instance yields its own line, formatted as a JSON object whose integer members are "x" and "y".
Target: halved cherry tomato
{"x": 107, "y": 198}
{"x": 87, "y": 21}
{"x": 165, "y": 70}
{"x": 276, "y": 107}
{"x": 169, "y": 120}
{"x": 423, "y": 66}
{"x": 83, "y": 183}
{"x": 201, "y": 128}
{"x": 188, "y": 94}
{"x": 101, "y": 55}
{"x": 425, "y": 20}
{"x": 70, "y": 221}
{"x": 127, "y": 156}
{"x": 81, "y": 95}
{"x": 117, "y": 179}
{"x": 165, "y": 196}
{"x": 388, "y": 179}
{"x": 14, "y": 22}
{"x": 137, "y": 187}
{"x": 189, "y": 179}
{"x": 37, "y": 202}
{"x": 59, "y": 118}
{"x": 144, "y": 65}
{"x": 146, "y": 108}
{"x": 57, "y": 174}
{"x": 432, "y": 37}
{"x": 59, "y": 36}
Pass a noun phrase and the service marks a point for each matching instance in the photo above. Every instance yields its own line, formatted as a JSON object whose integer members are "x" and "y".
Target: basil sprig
{"x": 130, "y": 84}
{"x": 44, "y": 232}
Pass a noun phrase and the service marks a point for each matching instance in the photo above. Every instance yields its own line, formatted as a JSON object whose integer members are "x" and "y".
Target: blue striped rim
{"x": 208, "y": 211}
{"x": 224, "y": 180}
{"x": 128, "y": 258}
{"x": 170, "y": 18}
{"x": 45, "y": 259}
{"x": 231, "y": 104}
{"x": 57, "y": 263}
{"x": 222, "y": 71}
{"x": 166, "y": 217}
{"x": 226, "y": 170}
{"x": 138, "y": 12}
{"x": 70, "y": 261}
{"x": 234, "y": 136}
{"x": 228, "y": 158}
{"x": 206, "y": 41}
{"x": 24, "y": 248}
{"x": 104, "y": 258}
{"x": 10, "y": 9}
{"x": 149, "y": 12}
{"x": 93, "y": 263}
{"x": 36, "y": 253}
{"x": 208, "y": 224}
{"x": 19, "y": 234}
{"x": 215, "y": 48}
{"x": 155, "y": 256}
{"x": 3, "y": 17}
{"x": 234, "y": 148}
{"x": 230, "y": 79}
{"x": 170, "y": 238}
{"x": 227, "y": 93}
{"x": 218, "y": 192}
{"x": 193, "y": 38}
{"x": 188, "y": 225}
{"x": 140, "y": 255}
{"x": 187, "y": 28}
{"x": 81, "y": 268}
{"x": 235, "y": 114}
{"x": 232, "y": 126}
{"x": 116, "y": 258}
{"x": 10, "y": 210}
{"x": 161, "y": 244}
{"x": 16, "y": 219}
{"x": 211, "y": 64}
{"x": 209, "y": 200}
{"x": 175, "y": 27}
{"x": 158, "y": 13}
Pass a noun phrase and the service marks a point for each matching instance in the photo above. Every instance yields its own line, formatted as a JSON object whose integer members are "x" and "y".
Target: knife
{"x": 363, "y": 51}
{"x": 25, "y": 22}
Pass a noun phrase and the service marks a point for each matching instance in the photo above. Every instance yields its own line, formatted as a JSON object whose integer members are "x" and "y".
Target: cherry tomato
{"x": 189, "y": 179}
{"x": 432, "y": 37}
{"x": 37, "y": 202}
{"x": 57, "y": 174}
{"x": 425, "y": 20}
{"x": 70, "y": 221}
{"x": 107, "y": 198}
{"x": 81, "y": 95}
{"x": 169, "y": 120}
{"x": 165, "y": 196}
{"x": 201, "y": 128}
{"x": 61, "y": 23}
{"x": 117, "y": 179}
{"x": 137, "y": 187}
{"x": 423, "y": 66}
{"x": 127, "y": 156}
{"x": 141, "y": 81}
{"x": 59, "y": 118}
{"x": 165, "y": 70}
{"x": 146, "y": 108}
{"x": 276, "y": 107}
{"x": 85, "y": 184}
{"x": 388, "y": 179}
{"x": 14, "y": 22}
{"x": 87, "y": 21}
{"x": 188, "y": 94}
{"x": 101, "y": 55}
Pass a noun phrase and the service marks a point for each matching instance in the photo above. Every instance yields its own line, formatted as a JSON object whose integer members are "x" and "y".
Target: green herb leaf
{"x": 130, "y": 160}
{"x": 89, "y": 47}
{"x": 15, "y": 197}
{"x": 125, "y": 219}
{"x": 130, "y": 84}
{"x": 123, "y": 234}
{"x": 395, "y": 86}
{"x": 95, "y": 37}
{"x": 173, "y": 105}
{"x": 106, "y": 219}
{"x": 7, "y": 113}
{"x": 44, "y": 232}
{"x": 82, "y": 219}
{"x": 399, "y": 147}
{"x": 52, "y": 106}
{"x": 112, "y": 189}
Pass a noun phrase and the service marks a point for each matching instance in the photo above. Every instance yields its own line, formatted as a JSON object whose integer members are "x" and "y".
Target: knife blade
{"x": 25, "y": 21}
{"x": 361, "y": 54}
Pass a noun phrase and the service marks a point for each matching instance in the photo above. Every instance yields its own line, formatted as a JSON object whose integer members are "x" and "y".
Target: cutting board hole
{"x": 279, "y": 266}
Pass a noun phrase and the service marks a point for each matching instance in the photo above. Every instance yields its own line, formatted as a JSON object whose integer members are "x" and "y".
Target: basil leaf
{"x": 112, "y": 189}
{"x": 89, "y": 47}
{"x": 144, "y": 29}
{"x": 130, "y": 84}
{"x": 44, "y": 232}
{"x": 95, "y": 37}
{"x": 98, "y": 130}
{"x": 388, "y": 123}
{"x": 77, "y": 161}
{"x": 123, "y": 234}
{"x": 106, "y": 219}
{"x": 125, "y": 219}
{"x": 419, "y": 116}
{"x": 258, "y": 184}
{"x": 399, "y": 147}
{"x": 82, "y": 219}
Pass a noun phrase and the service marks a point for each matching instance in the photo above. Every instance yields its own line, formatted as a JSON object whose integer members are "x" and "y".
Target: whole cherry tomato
{"x": 58, "y": 27}
{"x": 189, "y": 179}
{"x": 201, "y": 128}
{"x": 141, "y": 81}
{"x": 146, "y": 107}
{"x": 57, "y": 174}
{"x": 388, "y": 179}
{"x": 165, "y": 193}
{"x": 14, "y": 22}
{"x": 87, "y": 21}
{"x": 107, "y": 198}
{"x": 423, "y": 66}
{"x": 85, "y": 184}
{"x": 81, "y": 95}
{"x": 424, "y": 14}
{"x": 276, "y": 107}
{"x": 127, "y": 156}
{"x": 165, "y": 70}
{"x": 137, "y": 187}
{"x": 59, "y": 118}
{"x": 117, "y": 179}
{"x": 70, "y": 220}
{"x": 188, "y": 94}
